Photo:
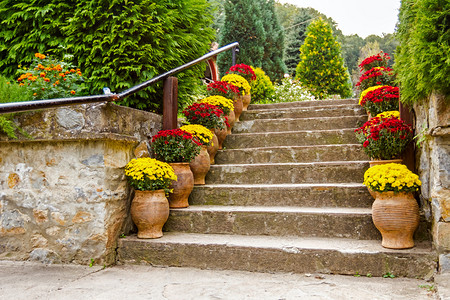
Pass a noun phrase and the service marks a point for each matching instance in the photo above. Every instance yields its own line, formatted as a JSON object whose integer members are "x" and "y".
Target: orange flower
{"x": 79, "y": 73}
{"x": 34, "y": 94}
{"x": 72, "y": 92}
{"x": 21, "y": 84}
{"x": 39, "y": 55}
{"x": 62, "y": 74}
{"x": 57, "y": 82}
{"x": 42, "y": 74}
{"x": 46, "y": 79}
{"x": 72, "y": 70}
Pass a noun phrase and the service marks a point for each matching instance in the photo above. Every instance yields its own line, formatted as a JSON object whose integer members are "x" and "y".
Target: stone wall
{"x": 64, "y": 197}
{"x": 433, "y": 164}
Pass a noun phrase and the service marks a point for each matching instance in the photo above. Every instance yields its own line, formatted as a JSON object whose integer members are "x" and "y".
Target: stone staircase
{"x": 285, "y": 195}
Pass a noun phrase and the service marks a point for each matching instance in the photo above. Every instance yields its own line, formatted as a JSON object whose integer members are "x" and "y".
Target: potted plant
{"x": 244, "y": 91}
{"x": 395, "y": 212}
{"x": 227, "y": 106}
{"x": 150, "y": 179}
{"x": 377, "y": 60}
{"x": 210, "y": 116}
{"x": 243, "y": 70}
{"x": 200, "y": 165}
{"x": 178, "y": 148}
{"x": 228, "y": 91}
{"x": 379, "y": 98}
{"x": 376, "y": 76}
{"x": 384, "y": 138}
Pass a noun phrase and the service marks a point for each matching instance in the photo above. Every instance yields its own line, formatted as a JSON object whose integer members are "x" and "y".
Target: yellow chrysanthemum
{"x": 372, "y": 88}
{"x": 391, "y": 177}
{"x": 149, "y": 174}
{"x": 224, "y": 103}
{"x": 239, "y": 82}
{"x": 388, "y": 114}
{"x": 203, "y": 134}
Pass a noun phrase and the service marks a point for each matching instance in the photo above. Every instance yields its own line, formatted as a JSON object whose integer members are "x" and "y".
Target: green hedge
{"x": 423, "y": 57}
{"x": 117, "y": 43}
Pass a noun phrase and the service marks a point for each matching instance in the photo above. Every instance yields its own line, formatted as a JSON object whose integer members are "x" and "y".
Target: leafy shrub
{"x": 321, "y": 69}
{"x": 10, "y": 91}
{"x": 290, "y": 90}
{"x": 422, "y": 58}
{"x": 262, "y": 87}
{"x": 118, "y": 44}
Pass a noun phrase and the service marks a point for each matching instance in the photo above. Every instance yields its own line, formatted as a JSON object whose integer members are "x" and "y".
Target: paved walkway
{"x": 27, "y": 280}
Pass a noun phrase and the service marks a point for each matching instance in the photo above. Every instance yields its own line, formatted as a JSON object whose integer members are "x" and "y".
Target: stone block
{"x": 442, "y": 236}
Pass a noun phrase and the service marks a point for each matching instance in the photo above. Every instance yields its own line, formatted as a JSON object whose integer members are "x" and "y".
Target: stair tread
{"x": 282, "y": 185}
{"x": 295, "y": 131}
{"x": 300, "y": 119}
{"x": 292, "y": 244}
{"x": 321, "y": 163}
{"x": 254, "y": 108}
{"x": 277, "y": 209}
{"x": 294, "y": 147}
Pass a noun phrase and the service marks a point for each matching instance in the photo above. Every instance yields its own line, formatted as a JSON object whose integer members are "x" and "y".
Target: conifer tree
{"x": 295, "y": 36}
{"x": 321, "y": 69}
{"x": 243, "y": 24}
{"x": 273, "y": 63}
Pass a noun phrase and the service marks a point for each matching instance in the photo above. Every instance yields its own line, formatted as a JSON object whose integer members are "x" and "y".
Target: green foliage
{"x": 243, "y": 24}
{"x": 10, "y": 91}
{"x": 262, "y": 87}
{"x": 118, "y": 44}
{"x": 287, "y": 90}
{"x": 295, "y": 36}
{"x": 388, "y": 275}
{"x": 321, "y": 69}
{"x": 254, "y": 24}
{"x": 422, "y": 60}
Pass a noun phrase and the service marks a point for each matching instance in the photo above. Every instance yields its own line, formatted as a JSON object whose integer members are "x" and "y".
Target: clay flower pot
{"x": 396, "y": 216}
{"x": 238, "y": 107}
{"x": 231, "y": 120}
{"x": 149, "y": 211}
{"x": 221, "y": 136}
{"x": 246, "y": 99}
{"x": 213, "y": 148}
{"x": 183, "y": 187}
{"x": 375, "y": 162}
{"x": 200, "y": 166}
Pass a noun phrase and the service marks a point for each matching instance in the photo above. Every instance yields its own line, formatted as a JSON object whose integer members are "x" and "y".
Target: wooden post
{"x": 409, "y": 158}
{"x": 170, "y": 103}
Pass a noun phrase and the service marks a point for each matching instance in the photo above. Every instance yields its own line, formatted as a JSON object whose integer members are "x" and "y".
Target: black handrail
{"x": 51, "y": 103}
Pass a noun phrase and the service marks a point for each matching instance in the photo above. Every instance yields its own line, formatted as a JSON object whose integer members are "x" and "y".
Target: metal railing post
{"x": 233, "y": 52}
{"x": 170, "y": 103}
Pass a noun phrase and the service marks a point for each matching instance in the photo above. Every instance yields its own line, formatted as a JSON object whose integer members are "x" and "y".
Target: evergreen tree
{"x": 273, "y": 63}
{"x": 321, "y": 68}
{"x": 243, "y": 24}
{"x": 295, "y": 36}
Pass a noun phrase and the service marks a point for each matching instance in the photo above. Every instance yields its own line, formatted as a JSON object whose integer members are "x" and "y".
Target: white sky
{"x": 362, "y": 17}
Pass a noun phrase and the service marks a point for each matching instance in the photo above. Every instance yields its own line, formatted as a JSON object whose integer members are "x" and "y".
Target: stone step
{"x": 290, "y": 138}
{"x": 308, "y": 195}
{"x": 294, "y": 154}
{"x": 273, "y": 106}
{"x": 278, "y": 254}
{"x": 330, "y": 172}
{"x": 355, "y": 223}
{"x": 304, "y": 112}
{"x": 277, "y": 125}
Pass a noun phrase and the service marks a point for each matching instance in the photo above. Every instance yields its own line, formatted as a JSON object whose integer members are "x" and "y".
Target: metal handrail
{"x": 58, "y": 102}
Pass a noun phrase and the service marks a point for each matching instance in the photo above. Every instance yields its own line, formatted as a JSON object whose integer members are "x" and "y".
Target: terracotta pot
{"x": 375, "y": 162}
{"x": 246, "y": 99}
{"x": 200, "y": 166}
{"x": 238, "y": 106}
{"x": 182, "y": 188}
{"x": 213, "y": 148}
{"x": 221, "y": 136}
{"x": 149, "y": 211}
{"x": 396, "y": 216}
{"x": 231, "y": 120}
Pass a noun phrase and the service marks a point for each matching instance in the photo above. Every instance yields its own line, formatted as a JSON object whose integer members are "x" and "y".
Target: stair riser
{"x": 278, "y": 174}
{"x": 281, "y": 125}
{"x": 230, "y": 257}
{"x": 299, "y": 138}
{"x": 291, "y": 155}
{"x": 354, "y": 226}
{"x": 307, "y": 112}
{"x": 282, "y": 196}
{"x": 332, "y": 103}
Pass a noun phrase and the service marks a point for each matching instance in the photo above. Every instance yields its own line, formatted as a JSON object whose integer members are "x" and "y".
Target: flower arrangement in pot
{"x": 377, "y": 60}
{"x": 395, "y": 212}
{"x": 151, "y": 180}
{"x": 222, "y": 88}
{"x": 376, "y": 76}
{"x": 227, "y": 106}
{"x": 210, "y": 116}
{"x": 178, "y": 148}
{"x": 379, "y": 98}
{"x": 243, "y": 70}
{"x": 200, "y": 165}
{"x": 244, "y": 92}
{"x": 384, "y": 138}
